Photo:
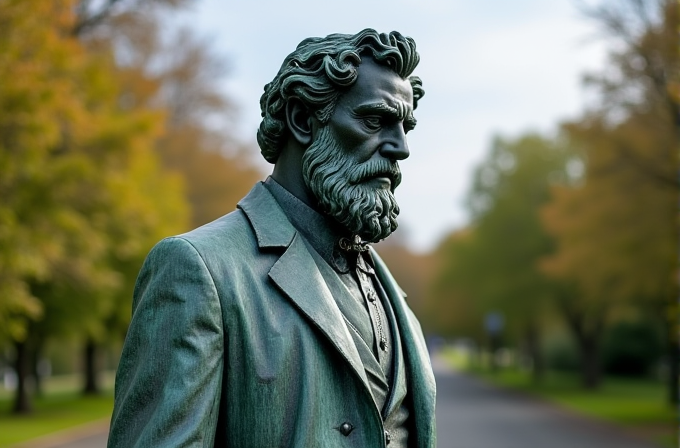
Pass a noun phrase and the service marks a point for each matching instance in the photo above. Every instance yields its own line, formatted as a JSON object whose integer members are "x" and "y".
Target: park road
{"x": 472, "y": 414}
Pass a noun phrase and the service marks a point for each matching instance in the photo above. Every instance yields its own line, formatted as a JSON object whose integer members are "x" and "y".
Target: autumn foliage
{"x": 580, "y": 230}
{"x": 100, "y": 157}
{"x": 114, "y": 134}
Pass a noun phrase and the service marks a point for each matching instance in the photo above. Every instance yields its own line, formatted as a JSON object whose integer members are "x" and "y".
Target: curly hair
{"x": 320, "y": 70}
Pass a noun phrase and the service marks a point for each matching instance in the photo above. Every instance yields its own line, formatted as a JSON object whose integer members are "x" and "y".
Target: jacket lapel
{"x": 418, "y": 369}
{"x": 299, "y": 278}
{"x": 297, "y": 275}
{"x": 399, "y": 386}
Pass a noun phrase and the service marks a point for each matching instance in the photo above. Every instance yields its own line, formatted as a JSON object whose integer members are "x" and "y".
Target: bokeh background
{"x": 538, "y": 238}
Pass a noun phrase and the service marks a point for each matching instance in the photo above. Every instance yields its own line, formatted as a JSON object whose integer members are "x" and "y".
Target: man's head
{"x": 339, "y": 108}
{"x": 320, "y": 70}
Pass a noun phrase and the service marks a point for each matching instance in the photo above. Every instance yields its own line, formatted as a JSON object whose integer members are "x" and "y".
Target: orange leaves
{"x": 616, "y": 232}
{"x": 68, "y": 152}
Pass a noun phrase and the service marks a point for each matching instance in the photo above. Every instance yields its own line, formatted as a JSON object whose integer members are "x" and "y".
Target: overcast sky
{"x": 488, "y": 67}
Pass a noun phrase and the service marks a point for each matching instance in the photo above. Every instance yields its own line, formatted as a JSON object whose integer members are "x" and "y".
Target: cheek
{"x": 352, "y": 137}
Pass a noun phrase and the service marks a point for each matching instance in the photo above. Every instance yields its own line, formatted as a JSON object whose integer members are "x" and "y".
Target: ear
{"x": 299, "y": 121}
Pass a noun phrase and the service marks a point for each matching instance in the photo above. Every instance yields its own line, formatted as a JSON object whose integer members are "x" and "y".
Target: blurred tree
{"x": 448, "y": 309}
{"x": 173, "y": 71}
{"x": 177, "y": 72}
{"x": 616, "y": 237}
{"x": 147, "y": 204}
{"x": 494, "y": 264}
{"x": 412, "y": 271}
{"x": 43, "y": 236}
{"x": 631, "y": 348}
{"x": 91, "y": 14}
{"x": 68, "y": 152}
{"x": 617, "y": 231}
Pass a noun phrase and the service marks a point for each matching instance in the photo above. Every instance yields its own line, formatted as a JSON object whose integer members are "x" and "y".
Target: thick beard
{"x": 338, "y": 183}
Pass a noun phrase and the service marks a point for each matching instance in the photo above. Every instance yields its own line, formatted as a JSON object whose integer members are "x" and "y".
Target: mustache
{"x": 375, "y": 168}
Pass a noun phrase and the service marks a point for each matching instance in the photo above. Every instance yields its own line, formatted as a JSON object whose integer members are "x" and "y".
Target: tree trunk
{"x": 494, "y": 346}
{"x": 591, "y": 370}
{"x": 669, "y": 316}
{"x": 673, "y": 372}
{"x": 91, "y": 386}
{"x": 673, "y": 320}
{"x": 35, "y": 369}
{"x": 533, "y": 344}
{"x": 587, "y": 329}
{"x": 22, "y": 399}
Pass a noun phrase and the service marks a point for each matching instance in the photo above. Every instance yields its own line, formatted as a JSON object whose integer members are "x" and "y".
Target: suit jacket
{"x": 235, "y": 340}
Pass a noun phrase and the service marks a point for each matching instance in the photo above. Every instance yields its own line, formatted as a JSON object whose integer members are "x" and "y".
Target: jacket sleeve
{"x": 169, "y": 379}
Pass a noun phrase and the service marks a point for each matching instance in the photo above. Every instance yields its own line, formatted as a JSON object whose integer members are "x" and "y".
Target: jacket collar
{"x": 299, "y": 278}
{"x": 269, "y": 222}
{"x": 418, "y": 366}
{"x": 319, "y": 230}
{"x": 297, "y": 275}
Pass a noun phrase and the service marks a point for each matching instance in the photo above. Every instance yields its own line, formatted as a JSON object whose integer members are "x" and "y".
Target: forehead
{"x": 378, "y": 84}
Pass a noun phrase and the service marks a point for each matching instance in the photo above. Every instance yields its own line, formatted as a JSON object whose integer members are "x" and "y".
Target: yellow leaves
{"x": 83, "y": 195}
{"x": 37, "y": 66}
{"x": 17, "y": 306}
{"x": 673, "y": 87}
{"x": 215, "y": 182}
{"x": 148, "y": 206}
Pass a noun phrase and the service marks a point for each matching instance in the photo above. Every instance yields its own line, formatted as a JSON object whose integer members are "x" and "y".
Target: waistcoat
{"x": 388, "y": 383}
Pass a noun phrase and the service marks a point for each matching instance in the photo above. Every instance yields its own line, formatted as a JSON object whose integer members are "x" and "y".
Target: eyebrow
{"x": 398, "y": 112}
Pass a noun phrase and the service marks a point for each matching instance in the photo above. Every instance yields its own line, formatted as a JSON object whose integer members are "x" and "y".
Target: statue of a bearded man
{"x": 278, "y": 324}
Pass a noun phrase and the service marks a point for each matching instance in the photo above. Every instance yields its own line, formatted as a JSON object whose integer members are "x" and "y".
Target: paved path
{"x": 472, "y": 414}
{"x": 95, "y": 441}
{"x": 92, "y": 435}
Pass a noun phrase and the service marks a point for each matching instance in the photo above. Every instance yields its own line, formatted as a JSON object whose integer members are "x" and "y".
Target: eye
{"x": 372, "y": 123}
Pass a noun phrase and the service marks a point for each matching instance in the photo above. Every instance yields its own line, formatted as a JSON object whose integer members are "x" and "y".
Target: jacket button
{"x": 388, "y": 437}
{"x": 345, "y": 429}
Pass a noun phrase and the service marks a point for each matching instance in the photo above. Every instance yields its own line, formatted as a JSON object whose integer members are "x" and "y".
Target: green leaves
{"x": 493, "y": 266}
{"x": 76, "y": 200}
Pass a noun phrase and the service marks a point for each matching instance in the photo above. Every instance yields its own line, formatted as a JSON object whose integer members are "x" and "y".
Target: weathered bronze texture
{"x": 278, "y": 324}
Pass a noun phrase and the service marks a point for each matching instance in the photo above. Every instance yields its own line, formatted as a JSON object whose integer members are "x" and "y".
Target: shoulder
{"x": 203, "y": 257}
{"x": 228, "y": 239}
{"x": 231, "y": 231}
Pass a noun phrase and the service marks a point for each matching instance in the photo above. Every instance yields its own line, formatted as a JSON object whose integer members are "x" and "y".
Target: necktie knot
{"x": 353, "y": 245}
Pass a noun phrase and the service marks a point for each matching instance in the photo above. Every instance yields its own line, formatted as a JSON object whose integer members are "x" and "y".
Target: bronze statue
{"x": 277, "y": 324}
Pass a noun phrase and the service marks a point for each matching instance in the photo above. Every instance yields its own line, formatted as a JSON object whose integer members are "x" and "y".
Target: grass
{"x": 61, "y": 407}
{"x": 637, "y": 404}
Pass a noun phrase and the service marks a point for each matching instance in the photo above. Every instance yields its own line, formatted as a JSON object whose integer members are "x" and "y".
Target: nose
{"x": 395, "y": 146}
